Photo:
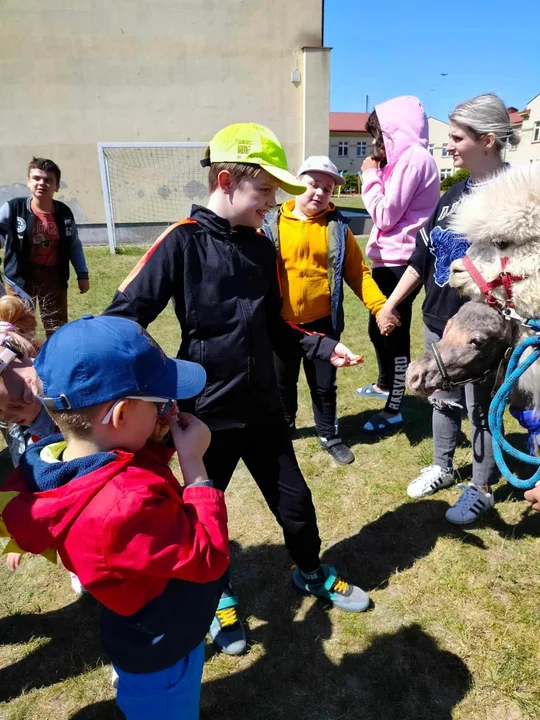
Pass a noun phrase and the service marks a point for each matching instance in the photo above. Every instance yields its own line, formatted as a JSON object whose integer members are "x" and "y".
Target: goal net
{"x": 146, "y": 187}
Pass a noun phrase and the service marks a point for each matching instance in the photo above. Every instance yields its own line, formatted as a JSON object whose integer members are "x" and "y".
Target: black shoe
{"x": 338, "y": 450}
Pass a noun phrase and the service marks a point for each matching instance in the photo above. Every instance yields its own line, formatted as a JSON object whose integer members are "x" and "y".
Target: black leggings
{"x": 268, "y": 453}
{"x": 394, "y": 350}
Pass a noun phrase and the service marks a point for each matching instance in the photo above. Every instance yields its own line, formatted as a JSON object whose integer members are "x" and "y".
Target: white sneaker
{"x": 114, "y": 679}
{"x": 431, "y": 479}
{"x": 470, "y": 505}
{"x": 76, "y": 584}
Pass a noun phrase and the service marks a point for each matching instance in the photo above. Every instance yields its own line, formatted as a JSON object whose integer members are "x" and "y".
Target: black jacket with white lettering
{"x": 224, "y": 285}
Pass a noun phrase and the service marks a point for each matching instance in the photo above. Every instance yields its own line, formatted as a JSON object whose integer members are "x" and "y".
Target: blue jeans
{"x": 170, "y": 694}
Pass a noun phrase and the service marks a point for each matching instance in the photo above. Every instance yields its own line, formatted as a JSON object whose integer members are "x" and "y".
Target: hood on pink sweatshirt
{"x": 401, "y": 196}
{"x": 404, "y": 125}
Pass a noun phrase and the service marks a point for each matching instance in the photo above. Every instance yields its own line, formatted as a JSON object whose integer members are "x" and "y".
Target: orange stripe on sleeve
{"x": 142, "y": 262}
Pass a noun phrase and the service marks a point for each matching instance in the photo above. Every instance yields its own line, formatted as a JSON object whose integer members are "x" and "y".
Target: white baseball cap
{"x": 322, "y": 164}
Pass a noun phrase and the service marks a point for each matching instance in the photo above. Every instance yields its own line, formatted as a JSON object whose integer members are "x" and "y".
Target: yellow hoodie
{"x": 303, "y": 266}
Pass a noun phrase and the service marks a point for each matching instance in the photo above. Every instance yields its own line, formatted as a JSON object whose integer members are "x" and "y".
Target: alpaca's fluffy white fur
{"x": 505, "y": 210}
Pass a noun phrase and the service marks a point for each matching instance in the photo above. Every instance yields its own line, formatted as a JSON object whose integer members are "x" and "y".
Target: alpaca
{"x": 502, "y": 220}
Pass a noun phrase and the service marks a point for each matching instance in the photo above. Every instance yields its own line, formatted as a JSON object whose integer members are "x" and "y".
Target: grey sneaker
{"x": 338, "y": 591}
{"x": 431, "y": 479}
{"x": 227, "y": 630}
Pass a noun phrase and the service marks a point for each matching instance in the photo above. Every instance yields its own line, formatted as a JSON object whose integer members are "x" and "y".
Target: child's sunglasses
{"x": 163, "y": 405}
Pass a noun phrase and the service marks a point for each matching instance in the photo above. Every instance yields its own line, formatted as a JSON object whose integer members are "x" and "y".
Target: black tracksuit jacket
{"x": 224, "y": 285}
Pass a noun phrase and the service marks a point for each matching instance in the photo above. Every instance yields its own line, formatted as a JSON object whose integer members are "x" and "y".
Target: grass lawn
{"x": 348, "y": 202}
{"x": 453, "y": 632}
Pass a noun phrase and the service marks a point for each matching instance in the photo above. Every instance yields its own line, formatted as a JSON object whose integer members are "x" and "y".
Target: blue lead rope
{"x": 515, "y": 370}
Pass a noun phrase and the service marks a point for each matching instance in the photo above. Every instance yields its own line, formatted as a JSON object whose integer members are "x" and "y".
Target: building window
{"x": 446, "y": 172}
{"x": 536, "y": 132}
{"x": 444, "y": 151}
{"x": 431, "y": 148}
{"x": 343, "y": 149}
{"x": 361, "y": 149}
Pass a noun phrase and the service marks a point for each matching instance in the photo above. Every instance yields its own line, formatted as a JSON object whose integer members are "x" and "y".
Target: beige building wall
{"x": 316, "y": 101}
{"x": 357, "y": 147}
{"x": 438, "y": 139}
{"x": 75, "y": 74}
{"x": 528, "y": 149}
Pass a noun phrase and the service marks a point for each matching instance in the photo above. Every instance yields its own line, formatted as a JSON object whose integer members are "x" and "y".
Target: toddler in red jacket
{"x": 151, "y": 551}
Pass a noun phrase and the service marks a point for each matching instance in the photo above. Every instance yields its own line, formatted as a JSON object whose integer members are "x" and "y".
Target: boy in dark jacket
{"x": 151, "y": 551}
{"x": 41, "y": 239}
{"x": 222, "y": 276}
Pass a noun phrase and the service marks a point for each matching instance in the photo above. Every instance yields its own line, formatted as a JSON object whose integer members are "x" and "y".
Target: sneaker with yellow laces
{"x": 227, "y": 630}
{"x": 326, "y": 583}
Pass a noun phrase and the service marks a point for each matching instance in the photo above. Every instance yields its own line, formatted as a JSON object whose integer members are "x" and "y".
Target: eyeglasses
{"x": 163, "y": 405}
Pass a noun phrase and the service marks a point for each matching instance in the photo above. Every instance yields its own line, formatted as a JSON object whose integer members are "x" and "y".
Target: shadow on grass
{"x": 398, "y": 675}
{"x": 417, "y": 425}
{"x": 403, "y": 675}
{"x": 104, "y": 710}
{"x": 394, "y": 542}
{"x": 73, "y": 646}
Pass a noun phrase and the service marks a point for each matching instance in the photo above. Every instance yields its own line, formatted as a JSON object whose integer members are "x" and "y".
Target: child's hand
{"x": 163, "y": 422}
{"x": 370, "y": 164}
{"x": 191, "y": 439}
{"x": 84, "y": 286}
{"x": 388, "y": 319}
{"x": 13, "y": 561}
{"x": 343, "y": 357}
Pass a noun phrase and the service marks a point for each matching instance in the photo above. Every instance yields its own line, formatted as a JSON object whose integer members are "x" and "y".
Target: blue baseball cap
{"x": 97, "y": 359}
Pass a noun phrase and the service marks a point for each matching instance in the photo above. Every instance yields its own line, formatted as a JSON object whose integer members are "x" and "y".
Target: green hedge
{"x": 453, "y": 179}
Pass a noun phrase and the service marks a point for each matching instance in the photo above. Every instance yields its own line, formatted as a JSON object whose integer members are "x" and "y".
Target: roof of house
{"x": 348, "y": 122}
{"x": 515, "y": 116}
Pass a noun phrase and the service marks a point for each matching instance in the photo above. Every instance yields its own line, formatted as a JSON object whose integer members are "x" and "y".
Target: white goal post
{"x": 147, "y": 186}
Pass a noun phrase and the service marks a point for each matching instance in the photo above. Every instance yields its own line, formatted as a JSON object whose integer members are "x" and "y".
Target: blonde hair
{"x": 17, "y": 312}
{"x": 486, "y": 114}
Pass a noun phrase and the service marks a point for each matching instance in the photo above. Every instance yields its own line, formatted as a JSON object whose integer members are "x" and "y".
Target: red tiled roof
{"x": 515, "y": 117}
{"x": 348, "y": 122}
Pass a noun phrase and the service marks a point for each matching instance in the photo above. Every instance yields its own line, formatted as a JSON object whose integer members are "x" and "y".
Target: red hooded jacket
{"x": 125, "y": 528}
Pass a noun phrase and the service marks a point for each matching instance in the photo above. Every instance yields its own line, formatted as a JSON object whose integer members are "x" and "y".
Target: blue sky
{"x": 401, "y": 48}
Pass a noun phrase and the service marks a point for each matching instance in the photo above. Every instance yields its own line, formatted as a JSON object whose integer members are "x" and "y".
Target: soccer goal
{"x": 147, "y": 186}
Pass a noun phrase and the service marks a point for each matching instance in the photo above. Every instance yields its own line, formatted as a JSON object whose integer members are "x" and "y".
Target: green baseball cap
{"x": 256, "y": 145}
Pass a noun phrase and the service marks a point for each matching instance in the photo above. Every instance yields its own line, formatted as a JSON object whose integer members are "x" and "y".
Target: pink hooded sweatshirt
{"x": 402, "y": 196}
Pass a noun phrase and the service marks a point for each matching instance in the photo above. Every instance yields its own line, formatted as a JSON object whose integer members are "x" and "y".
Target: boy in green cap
{"x": 222, "y": 276}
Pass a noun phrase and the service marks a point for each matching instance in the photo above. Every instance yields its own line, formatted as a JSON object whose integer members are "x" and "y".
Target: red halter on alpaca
{"x": 504, "y": 279}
